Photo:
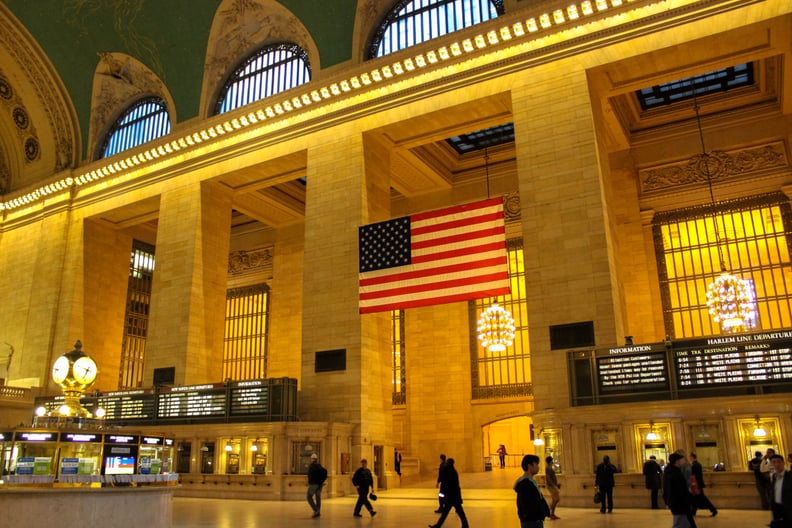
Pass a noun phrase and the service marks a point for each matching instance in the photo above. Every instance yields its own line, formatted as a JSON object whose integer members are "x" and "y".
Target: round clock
{"x": 60, "y": 369}
{"x": 84, "y": 370}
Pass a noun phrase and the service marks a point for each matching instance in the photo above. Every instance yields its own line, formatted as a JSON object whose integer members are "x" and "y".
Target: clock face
{"x": 84, "y": 370}
{"x": 60, "y": 369}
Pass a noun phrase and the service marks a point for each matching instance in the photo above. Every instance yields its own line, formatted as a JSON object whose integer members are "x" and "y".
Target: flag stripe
{"x": 458, "y": 253}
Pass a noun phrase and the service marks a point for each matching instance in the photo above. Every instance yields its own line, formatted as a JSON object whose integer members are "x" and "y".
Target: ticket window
{"x": 80, "y": 454}
{"x": 706, "y": 445}
{"x": 653, "y": 441}
{"x": 183, "y": 454}
{"x": 549, "y": 444}
{"x": 606, "y": 444}
{"x": 259, "y": 451}
{"x": 153, "y": 456}
{"x": 35, "y": 453}
{"x": 207, "y": 457}
{"x": 759, "y": 434}
{"x": 6, "y": 451}
{"x": 231, "y": 455}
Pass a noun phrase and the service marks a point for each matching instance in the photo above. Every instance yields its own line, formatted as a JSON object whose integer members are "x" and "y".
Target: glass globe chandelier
{"x": 730, "y": 299}
{"x": 496, "y": 328}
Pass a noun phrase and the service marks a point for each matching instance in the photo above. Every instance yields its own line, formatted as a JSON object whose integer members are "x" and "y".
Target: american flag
{"x": 444, "y": 256}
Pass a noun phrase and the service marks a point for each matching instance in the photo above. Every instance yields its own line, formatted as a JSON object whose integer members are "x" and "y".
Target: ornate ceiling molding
{"x": 720, "y": 165}
{"x": 48, "y": 95}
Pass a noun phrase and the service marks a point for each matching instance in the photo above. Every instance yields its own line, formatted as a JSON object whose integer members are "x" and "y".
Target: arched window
{"x": 411, "y": 22}
{"x": 145, "y": 121}
{"x": 269, "y": 71}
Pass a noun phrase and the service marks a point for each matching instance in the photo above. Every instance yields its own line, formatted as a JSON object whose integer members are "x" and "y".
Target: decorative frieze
{"x": 716, "y": 165}
{"x": 254, "y": 261}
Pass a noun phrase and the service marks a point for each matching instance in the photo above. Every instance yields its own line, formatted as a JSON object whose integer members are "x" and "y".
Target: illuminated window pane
{"x": 397, "y": 346}
{"x": 753, "y": 235}
{"x": 246, "y": 331}
{"x": 505, "y": 373}
{"x": 133, "y": 342}
{"x": 144, "y": 121}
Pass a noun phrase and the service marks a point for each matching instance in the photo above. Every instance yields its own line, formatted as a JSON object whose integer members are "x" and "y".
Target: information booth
{"x": 79, "y": 454}
{"x": 35, "y": 453}
{"x": 6, "y": 451}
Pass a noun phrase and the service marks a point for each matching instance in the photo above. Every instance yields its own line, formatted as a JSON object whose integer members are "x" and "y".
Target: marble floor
{"x": 489, "y": 502}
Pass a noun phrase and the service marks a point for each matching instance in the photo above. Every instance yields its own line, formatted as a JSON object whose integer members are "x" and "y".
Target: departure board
{"x": 129, "y": 405}
{"x": 632, "y": 368}
{"x": 689, "y": 368}
{"x": 250, "y": 397}
{"x": 195, "y": 401}
{"x": 739, "y": 359}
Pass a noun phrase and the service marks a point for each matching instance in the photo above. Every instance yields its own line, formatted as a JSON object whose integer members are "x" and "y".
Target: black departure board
{"x": 633, "y": 368}
{"x": 691, "y": 368}
{"x": 268, "y": 400}
{"x": 739, "y": 359}
{"x": 132, "y": 405}
{"x": 250, "y": 397}
{"x": 195, "y": 401}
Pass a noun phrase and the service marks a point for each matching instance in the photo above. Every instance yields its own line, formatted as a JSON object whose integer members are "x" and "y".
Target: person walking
{"x": 781, "y": 504}
{"x": 532, "y": 508}
{"x": 676, "y": 493}
{"x": 437, "y": 485}
{"x": 755, "y": 465}
{"x": 317, "y": 475}
{"x": 653, "y": 476}
{"x": 605, "y": 481}
{"x": 699, "y": 499}
{"x": 551, "y": 482}
{"x": 452, "y": 495}
{"x": 397, "y": 459}
{"x": 363, "y": 481}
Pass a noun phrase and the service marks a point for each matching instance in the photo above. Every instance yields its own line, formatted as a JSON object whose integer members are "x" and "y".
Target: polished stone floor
{"x": 489, "y": 502}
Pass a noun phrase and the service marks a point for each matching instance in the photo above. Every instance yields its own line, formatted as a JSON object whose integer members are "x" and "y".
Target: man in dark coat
{"x": 605, "y": 481}
{"x": 652, "y": 474}
{"x": 363, "y": 481}
{"x": 452, "y": 495}
{"x": 440, "y": 469}
{"x": 676, "y": 493}
{"x": 531, "y": 506}
{"x": 782, "y": 493}
{"x": 700, "y": 500}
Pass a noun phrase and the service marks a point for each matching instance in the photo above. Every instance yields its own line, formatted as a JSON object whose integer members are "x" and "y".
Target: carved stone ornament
{"x": 26, "y": 133}
{"x": 242, "y": 26}
{"x": 720, "y": 165}
{"x": 254, "y": 261}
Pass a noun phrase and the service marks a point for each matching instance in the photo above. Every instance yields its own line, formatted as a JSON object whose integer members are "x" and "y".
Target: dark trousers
{"x": 701, "y": 501}
{"x": 363, "y": 500}
{"x": 654, "y": 499}
{"x": 607, "y": 498}
{"x": 460, "y": 512}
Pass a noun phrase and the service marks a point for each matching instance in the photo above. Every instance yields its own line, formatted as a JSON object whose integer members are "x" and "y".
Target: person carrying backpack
{"x": 317, "y": 475}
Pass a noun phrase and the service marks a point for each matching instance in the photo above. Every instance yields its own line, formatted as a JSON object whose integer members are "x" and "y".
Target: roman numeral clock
{"x": 75, "y": 372}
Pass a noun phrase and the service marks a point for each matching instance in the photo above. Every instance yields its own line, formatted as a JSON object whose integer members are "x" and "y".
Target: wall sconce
{"x": 254, "y": 446}
{"x": 651, "y": 435}
{"x": 228, "y": 448}
{"x": 759, "y": 431}
{"x": 539, "y": 440}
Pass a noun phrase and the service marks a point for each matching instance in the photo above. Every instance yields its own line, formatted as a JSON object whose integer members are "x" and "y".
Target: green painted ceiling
{"x": 168, "y": 36}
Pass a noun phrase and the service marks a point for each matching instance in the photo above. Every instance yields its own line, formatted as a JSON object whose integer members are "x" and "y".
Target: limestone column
{"x": 187, "y": 316}
{"x": 345, "y": 190}
{"x": 567, "y": 255}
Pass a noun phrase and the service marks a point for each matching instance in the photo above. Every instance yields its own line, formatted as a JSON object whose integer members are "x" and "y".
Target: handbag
{"x": 372, "y": 496}
{"x": 597, "y": 496}
{"x": 694, "y": 486}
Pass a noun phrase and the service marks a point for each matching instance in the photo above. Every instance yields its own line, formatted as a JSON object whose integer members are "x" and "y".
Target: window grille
{"x": 411, "y": 22}
{"x": 133, "y": 343}
{"x": 397, "y": 346}
{"x": 755, "y": 239}
{"x": 145, "y": 121}
{"x": 508, "y": 373}
{"x": 269, "y": 71}
{"x": 246, "y": 332}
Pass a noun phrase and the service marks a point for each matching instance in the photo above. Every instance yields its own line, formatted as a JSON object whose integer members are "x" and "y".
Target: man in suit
{"x": 781, "y": 503}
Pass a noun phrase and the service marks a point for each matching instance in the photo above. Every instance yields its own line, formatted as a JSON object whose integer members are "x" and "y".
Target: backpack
{"x": 322, "y": 475}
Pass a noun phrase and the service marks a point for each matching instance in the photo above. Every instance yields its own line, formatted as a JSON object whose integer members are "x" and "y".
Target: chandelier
{"x": 496, "y": 328}
{"x": 730, "y": 299}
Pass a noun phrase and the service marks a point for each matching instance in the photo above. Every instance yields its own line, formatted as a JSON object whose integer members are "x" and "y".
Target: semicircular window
{"x": 271, "y": 70}
{"x": 411, "y": 22}
{"x": 144, "y": 121}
